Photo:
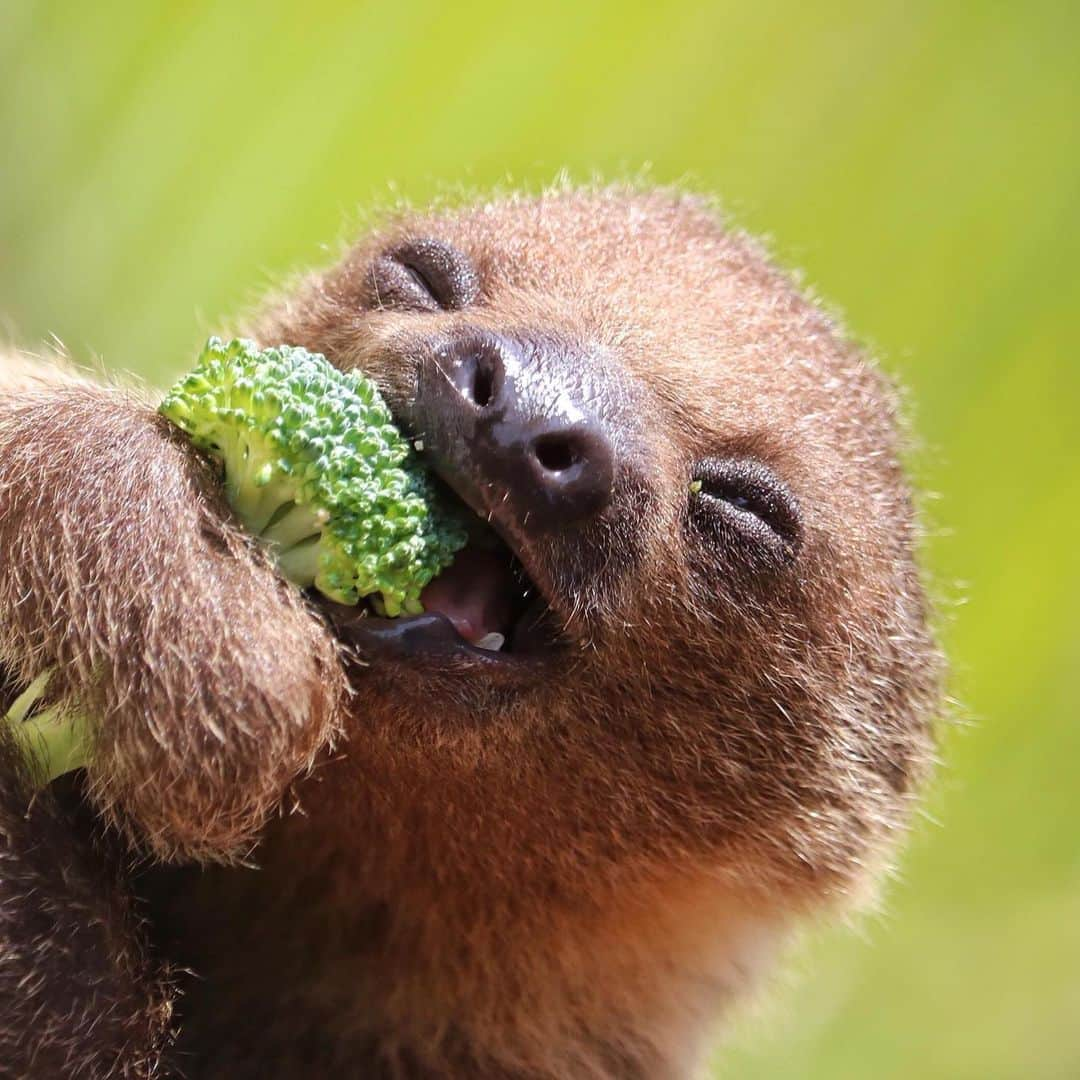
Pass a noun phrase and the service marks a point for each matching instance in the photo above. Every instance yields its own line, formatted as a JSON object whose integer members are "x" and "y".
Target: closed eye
{"x": 422, "y": 275}
{"x": 743, "y": 504}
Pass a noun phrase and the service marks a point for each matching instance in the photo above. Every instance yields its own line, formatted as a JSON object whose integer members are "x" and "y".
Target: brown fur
{"x": 79, "y": 994}
{"x": 566, "y": 881}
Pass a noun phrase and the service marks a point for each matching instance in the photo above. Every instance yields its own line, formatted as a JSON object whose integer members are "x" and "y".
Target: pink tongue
{"x": 476, "y": 593}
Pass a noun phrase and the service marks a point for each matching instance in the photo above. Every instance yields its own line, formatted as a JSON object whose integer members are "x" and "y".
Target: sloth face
{"x": 688, "y": 510}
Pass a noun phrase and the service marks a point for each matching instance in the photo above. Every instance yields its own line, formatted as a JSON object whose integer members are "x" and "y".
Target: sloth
{"x": 315, "y": 842}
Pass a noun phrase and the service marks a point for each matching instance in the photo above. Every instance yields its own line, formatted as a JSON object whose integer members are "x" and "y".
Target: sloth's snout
{"x": 511, "y": 425}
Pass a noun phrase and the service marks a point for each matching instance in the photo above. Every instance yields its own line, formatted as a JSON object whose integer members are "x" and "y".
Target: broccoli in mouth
{"x": 313, "y": 466}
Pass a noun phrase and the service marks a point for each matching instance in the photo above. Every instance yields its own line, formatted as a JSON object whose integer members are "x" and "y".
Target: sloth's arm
{"x": 80, "y": 994}
{"x": 209, "y": 684}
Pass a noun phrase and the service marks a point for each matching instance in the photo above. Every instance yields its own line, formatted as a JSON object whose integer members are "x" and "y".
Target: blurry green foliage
{"x": 919, "y": 160}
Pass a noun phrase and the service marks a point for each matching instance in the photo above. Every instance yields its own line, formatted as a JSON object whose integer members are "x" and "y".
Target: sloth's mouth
{"x": 483, "y": 610}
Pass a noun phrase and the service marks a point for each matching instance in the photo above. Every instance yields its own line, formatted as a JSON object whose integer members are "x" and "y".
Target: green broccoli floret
{"x": 315, "y": 467}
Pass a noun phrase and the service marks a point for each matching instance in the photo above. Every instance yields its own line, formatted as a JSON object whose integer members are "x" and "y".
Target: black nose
{"x": 514, "y": 424}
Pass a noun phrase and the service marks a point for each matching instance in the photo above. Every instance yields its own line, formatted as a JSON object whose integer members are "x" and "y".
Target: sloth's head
{"x": 689, "y": 619}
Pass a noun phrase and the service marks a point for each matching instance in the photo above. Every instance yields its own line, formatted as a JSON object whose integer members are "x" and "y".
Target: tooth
{"x": 492, "y": 642}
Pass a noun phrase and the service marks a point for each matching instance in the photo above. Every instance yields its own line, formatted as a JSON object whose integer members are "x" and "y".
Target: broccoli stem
{"x": 300, "y": 563}
{"x": 254, "y": 499}
{"x": 55, "y": 736}
{"x": 297, "y": 524}
{"x": 22, "y": 705}
{"x": 58, "y": 738}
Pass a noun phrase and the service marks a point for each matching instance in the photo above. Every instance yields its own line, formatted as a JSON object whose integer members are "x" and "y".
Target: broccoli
{"x": 54, "y": 734}
{"x": 315, "y": 467}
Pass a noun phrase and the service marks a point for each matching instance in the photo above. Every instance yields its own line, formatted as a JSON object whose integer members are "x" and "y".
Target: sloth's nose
{"x": 513, "y": 426}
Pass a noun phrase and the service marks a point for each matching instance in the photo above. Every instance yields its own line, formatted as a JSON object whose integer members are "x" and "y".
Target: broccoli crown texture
{"x": 315, "y": 467}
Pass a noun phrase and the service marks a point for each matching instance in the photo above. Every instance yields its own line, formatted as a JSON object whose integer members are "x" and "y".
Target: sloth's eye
{"x": 744, "y": 503}
{"x": 423, "y": 275}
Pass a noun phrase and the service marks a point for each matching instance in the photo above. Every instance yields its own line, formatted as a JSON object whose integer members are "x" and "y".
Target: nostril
{"x": 483, "y": 383}
{"x": 557, "y": 453}
{"x": 477, "y": 372}
{"x": 572, "y": 473}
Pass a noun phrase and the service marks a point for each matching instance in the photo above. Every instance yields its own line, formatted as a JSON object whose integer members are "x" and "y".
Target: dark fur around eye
{"x": 422, "y": 275}
{"x": 745, "y": 505}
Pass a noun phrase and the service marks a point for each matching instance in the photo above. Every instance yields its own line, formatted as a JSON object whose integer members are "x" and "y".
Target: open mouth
{"x": 483, "y": 609}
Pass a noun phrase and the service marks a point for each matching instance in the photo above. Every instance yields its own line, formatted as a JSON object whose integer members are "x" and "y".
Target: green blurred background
{"x": 163, "y": 162}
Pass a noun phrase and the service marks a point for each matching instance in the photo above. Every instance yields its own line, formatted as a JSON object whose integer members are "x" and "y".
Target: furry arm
{"x": 212, "y": 685}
